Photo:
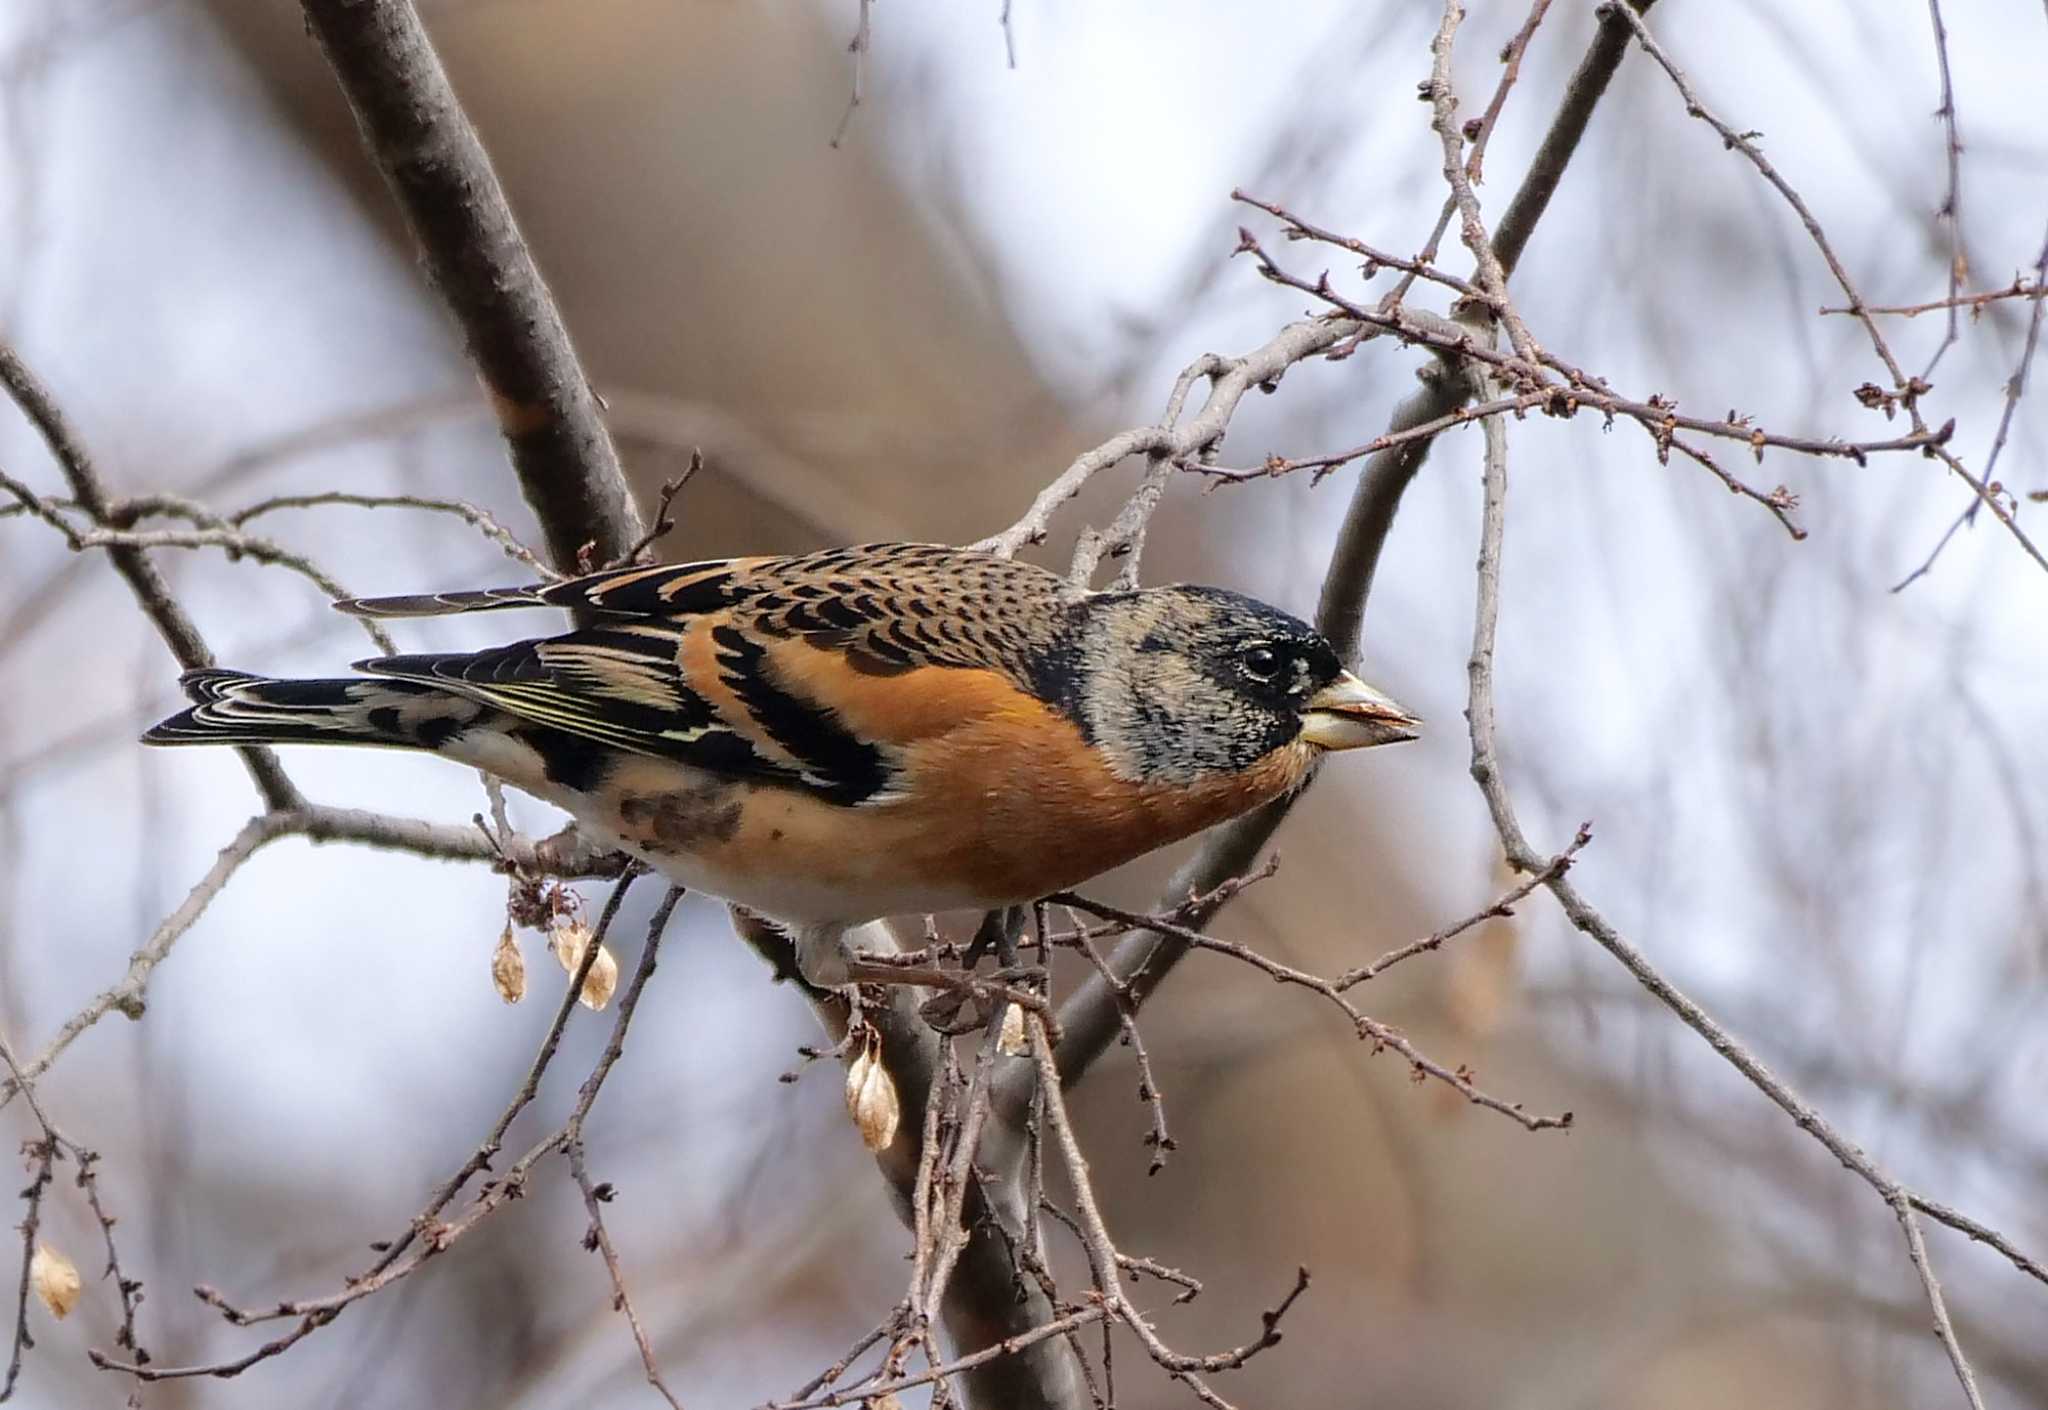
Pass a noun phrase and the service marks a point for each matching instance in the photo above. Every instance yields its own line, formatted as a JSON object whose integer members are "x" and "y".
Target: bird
{"x": 835, "y": 737}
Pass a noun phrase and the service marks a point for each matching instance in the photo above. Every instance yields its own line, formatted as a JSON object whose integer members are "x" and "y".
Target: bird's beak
{"x": 1349, "y": 714}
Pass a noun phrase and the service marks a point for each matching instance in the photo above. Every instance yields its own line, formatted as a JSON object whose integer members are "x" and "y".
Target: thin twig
{"x": 476, "y": 517}
{"x": 1500, "y": 909}
{"x": 1368, "y": 1028}
{"x": 863, "y": 39}
{"x": 1522, "y": 857}
{"x": 1950, "y": 212}
{"x": 566, "y": 856}
{"x": 42, "y": 1159}
{"x": 1477, "y": 132}
{"x": 1906, "y": 391}
{"x": 428, "y": 1235}
{"x": 595, "y": 1195}
{"x": 2015, "y": 388}
{"x": 152, "y": 593}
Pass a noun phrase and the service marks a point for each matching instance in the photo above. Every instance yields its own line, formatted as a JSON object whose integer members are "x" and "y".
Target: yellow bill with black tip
{"x": 1349, "y": 714}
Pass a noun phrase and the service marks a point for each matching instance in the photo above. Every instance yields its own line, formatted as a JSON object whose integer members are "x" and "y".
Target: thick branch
{"x": 479, "y": 263}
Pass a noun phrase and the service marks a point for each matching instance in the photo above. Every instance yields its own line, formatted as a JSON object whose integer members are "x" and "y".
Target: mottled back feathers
{"x": 701, "y": 662}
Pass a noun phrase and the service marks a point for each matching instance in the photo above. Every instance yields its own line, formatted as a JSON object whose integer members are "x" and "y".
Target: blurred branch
{"x": 476, "y": 517}
{"x": 152, "y": 593}
{"x": 211, "y": 532}
{"x": 419, "y": 137}
{"x": 566, "y": 855}
{"x": 863, "y": 40}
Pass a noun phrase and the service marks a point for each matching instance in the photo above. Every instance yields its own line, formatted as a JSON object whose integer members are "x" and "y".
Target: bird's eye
{"x": 1261, "y": 663}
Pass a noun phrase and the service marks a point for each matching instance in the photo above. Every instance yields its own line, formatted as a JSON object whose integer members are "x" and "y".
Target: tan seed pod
{"x": 508, "y": 968}
{"x": 1010, "y": 1042}
{"x": 883, "y": 1402}
{"x": 569, "y": 940}
{"x": 871, "y": 1097}
{"x": 55, "y": 1279}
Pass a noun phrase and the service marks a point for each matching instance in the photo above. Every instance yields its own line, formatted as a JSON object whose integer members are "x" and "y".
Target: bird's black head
{"x": 1179, "y": 683}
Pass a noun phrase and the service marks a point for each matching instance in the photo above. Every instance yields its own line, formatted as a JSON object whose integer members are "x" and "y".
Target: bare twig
{"x": 1950, "y": 212}
{"x": 41, "y": 1155}
{"x": 1229, "y": 380}
{"x": 596, "y": 1195}
{"x": 1522, "y": 857}
{"x": 132, "y": 563}
{"x": 663, "y": 524}
{"x": 1499, "y": 909}
{"x": 1106, "y": 1262}
{"x": 1092, "y": 1016}
{"x": 1906, "y": 391}
{"x": 1481, "y": 129}
{"x": 1370, "y": 1029}
{"x": 216, "y": 534}
{"x": 558, "y": 857}
{"x": 476, "y": 517}
{"x": 863, "y": 39}
{"x": 428, "y": 1235}
{"x": 2020, "y": 288}
{"x": 2015, "y": 388}
{"x": 1492, "y": 275}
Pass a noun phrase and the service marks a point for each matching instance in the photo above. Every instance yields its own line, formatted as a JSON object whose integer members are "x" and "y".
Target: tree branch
{"x": 131, "y": 562}
{"x": 1522, "y": 857}
{"x": 478, "y": 261}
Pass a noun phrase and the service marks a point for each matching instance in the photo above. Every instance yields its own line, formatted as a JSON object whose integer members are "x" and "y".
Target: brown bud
{"x": 55, "y": 1279}
{"x": 871, "y": 1097}
{"x": 1010, "y": 1042}
{"x": 508, "y": 968}
{"x": 569, "y": 940}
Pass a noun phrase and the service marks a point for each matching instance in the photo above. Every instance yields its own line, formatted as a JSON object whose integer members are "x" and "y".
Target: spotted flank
{"x": 230, "y": 707}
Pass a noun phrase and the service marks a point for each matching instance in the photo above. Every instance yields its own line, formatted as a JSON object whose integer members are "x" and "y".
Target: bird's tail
{"x": 232, "y": 707}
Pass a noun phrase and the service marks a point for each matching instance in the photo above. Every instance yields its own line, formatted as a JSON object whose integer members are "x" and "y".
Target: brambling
{"x": 834, "y": 737}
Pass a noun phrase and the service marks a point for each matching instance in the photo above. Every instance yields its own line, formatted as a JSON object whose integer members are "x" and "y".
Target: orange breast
{"x": 1002, "y": 805}
{"x": 999, "y": 801}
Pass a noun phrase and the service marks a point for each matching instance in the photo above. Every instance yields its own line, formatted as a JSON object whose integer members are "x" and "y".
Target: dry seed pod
{"x": 871, "y": 1097}
{"x": 1010, "y": 1042}
{"x": 55, "y": 1279}
{"x": 569, "y": 941}
{"x": 508, "y": 968}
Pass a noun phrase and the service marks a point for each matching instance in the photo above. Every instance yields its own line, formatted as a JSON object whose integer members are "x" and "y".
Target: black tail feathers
{"x": 233, "y": 707}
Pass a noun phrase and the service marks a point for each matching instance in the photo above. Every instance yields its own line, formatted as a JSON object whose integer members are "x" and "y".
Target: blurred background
{"x": 1816, "y": 804}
